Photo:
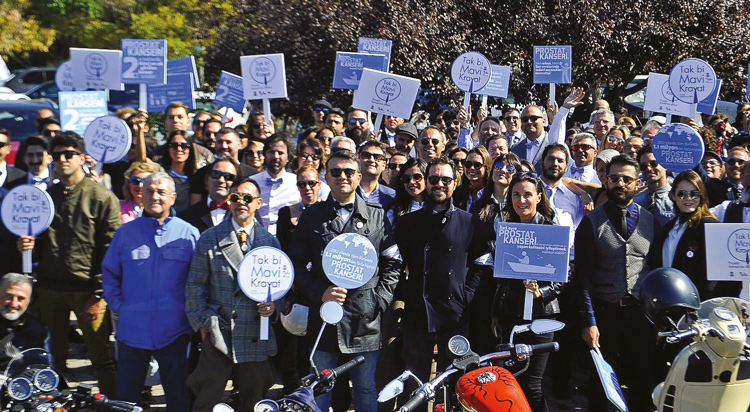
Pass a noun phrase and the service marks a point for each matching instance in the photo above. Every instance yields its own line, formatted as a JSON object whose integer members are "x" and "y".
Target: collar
{"x": 360, "y": 206}
{"x": 448, "y": 212}
{"x": 248, "y": 229}
{"x": 43, "y": 175}
{"x": 631, "y": 208}
{"x": 172, "y": 214}
{"x": 538, "y": 219}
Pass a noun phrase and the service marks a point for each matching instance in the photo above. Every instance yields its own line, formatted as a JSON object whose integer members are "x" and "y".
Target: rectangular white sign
{"x": 728, "y": 251}
{"x": 386, "y": 93}
{"x": 264, "y": 76}
{"x": 659, "y": 98}
{"x": 96, "y": 68}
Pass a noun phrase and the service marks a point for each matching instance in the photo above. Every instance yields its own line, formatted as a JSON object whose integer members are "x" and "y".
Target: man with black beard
{"x": 18, "y": 330}
{"x": 613, "y": 243}
{"x": 277, "y": 186}
{"x": 358, "y": 125}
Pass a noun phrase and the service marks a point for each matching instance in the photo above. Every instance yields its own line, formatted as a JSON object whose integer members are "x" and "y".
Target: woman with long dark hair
{"x": 476, "y": 177}
{"x": 527, "y": 202}
{"x": 180, "y": 163}
{"x": 410, "y": 189}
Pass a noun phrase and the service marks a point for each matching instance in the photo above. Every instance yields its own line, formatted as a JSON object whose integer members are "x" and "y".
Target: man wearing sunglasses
{"x": 372, "y": 163}
{"x": 729, "y": 188}
{"x": 10, "y": 177}
{"x": 145, "y": 256}
{"x": 213, "y": 210}
{"x": 358, "y": 125}
{"x": 320, "y": 108}
{"x": 531, "y": 147}
{"x": 512, "y": 122}
{"x": 70, "y": 253}
{"x": 199, "y": 122}
{"x": 359, "y": 332}
{"x": 431, "y": 143}
{"x": 583, "y": 150}
{"x": 434, "y": 244}
{"x": 227, "y": 320}
{"x": 612, "y": 245}
{"x": 655, "y": 198}
{"x": 390, "y": 125}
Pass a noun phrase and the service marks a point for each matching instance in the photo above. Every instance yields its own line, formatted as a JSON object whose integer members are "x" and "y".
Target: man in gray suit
{"x": 229, "y": 322}
{"x": 531, "y": 147}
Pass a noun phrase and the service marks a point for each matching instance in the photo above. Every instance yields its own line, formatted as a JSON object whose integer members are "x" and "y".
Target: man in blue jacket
{"x": 143, "y": 276}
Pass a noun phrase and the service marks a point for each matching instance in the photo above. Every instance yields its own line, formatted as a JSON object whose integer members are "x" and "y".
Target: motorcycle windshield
{"x": 29, "y": 357}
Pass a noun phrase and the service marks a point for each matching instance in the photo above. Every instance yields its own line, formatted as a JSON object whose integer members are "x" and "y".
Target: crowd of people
{"x": 149, "y": 249}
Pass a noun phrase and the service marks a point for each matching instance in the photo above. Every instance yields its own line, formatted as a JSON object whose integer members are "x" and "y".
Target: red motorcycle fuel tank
{"x": 491, "y": 389}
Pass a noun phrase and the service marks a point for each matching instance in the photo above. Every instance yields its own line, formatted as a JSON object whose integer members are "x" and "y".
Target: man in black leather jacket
{"x": 18, "y": 330}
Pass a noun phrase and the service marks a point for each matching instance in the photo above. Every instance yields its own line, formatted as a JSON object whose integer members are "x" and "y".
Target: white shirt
{"x": 249, "y": 229}
{"x": 3, "y": 172}
{"x": 721, "y": 209}
{"x": 218, "y": 214}
{"x": 275, "y": 196}
{"x": 670, "y": 244}
{"x": 568, "y": 209}
{"x": 44, "y": 175}
{"x": 345, "y": 214}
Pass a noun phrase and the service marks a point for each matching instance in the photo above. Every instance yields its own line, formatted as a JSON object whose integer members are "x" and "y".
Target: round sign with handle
{"x": 692, "y": 80}
{"x": 471, "y": 71}
{"x": 350, "y": 260}
{"x": 27, "y": 211}
{"x": 108, "y": 139}
{"x": 678, "y": 147}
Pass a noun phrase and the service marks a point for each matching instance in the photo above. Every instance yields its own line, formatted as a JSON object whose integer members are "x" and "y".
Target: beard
{"x": 357, "y": 134}
{"x": 552, "y": 176}
{"x": 620, "y": 196}
{"x": 11, "y": 314}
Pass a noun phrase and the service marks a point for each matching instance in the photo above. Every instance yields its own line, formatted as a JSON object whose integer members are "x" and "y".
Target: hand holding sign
{"x": 108, "y": 139}
{"x": 470, "y": 72}
{"x": 350, "y": 261}
{"x": 27, "y": 211}
{"x": 678, "y": 147}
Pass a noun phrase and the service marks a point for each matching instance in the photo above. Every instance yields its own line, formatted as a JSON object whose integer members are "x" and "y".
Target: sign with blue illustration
{"x": 108, "y": 139}
{"x": 528, "y": 251}
{"x": 79, "y": 109}
{"x": 692, "y": 80}
{"x": 265, "y": 274}
{"x": 553, "y": 64}
{"x": 609, "y": 380}
{"x": 498, "y": 84}
{"x": 728, "y": 251}
{"x": 229, "y": 92}
{"x": 179, "y": 88}
{"x": 144, "y": 61}
{"x": 184, "y": 65}
{"x": 349, "y": 66}
{"x": 471, "y": 71}
{"x": 376, "y": 46}
{"x": 96, "y": 68}
{"x": 386, "y": 93}
{"x": 350, "y": 260}
{"x": 264, "y": 76}
{"x": 27, "y": 210}
{"x": 659, "y": 98}
{"x": 678, "y": 147}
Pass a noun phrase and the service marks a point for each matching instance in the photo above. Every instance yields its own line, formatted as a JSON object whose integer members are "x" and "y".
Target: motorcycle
{"x": 478, "y": 383}
{"x": 711, "y": 373}
{"x": 32, "y": 385}
{"x": 317, "y": 383}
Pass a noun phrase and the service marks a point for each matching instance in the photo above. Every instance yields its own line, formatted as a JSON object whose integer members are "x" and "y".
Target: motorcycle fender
{"x": 491, "y": 389}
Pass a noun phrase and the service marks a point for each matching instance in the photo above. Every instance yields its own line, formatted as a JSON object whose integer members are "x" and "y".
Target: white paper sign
{"x": 386, "y": 93}
{"x": 659, "y": 98}
{"x": 79, "y": 109}
{"x": 96, "y": 68}
{"x": 264, "y": 76}
{"x": 108, "y": 139}
{"x": 728, "y": 251}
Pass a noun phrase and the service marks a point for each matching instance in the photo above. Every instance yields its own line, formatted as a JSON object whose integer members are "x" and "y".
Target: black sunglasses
{"x": 614, "y": 179}
{"x": 531, "y": 118}
{"x": 644, "y": 166}
{"x": 417, "y": 177}
{"x": 394, "y": 166}
{"x": 473, "y": 165}
{"x": 229, "y": 177}
{"x": 237, "y": 198}
{"x": 306, "y": 156}
{"x": 3, "y": 144}
{"x": 321, "y": 109}
{"x": 51, "y": 133}
{"x": 336, "y": 172}
{"x": 367, "y": 156}
{"x": 511, "y": 118}
{"x": 310, "y": 183}
{"x": 67, "y": 154}
{"x": 181, "y": 146}
{"x": 435, "y": 179}
{"x": 691, "y": 194}
{"x": 427, "y": 141}
{"x": 353, "y": 121}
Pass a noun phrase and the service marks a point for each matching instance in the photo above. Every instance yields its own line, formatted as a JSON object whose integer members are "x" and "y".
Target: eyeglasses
{"x": 305, "y": 156}
{"x": 613, "y": 139}
{"x": 499, "y": 167}
{"x": 427, "y": 141}
{"x": 3, "y": 144}
{"x": 529, "y": 175}
{"x": 229, "y": 177}
{"x": 394, "y": 166}
{"x": 461, "y": 162}
{"x": 210, "y": 134}
{"x": 253, "y": 153}
{"x": 645, "y": 165}
{"x": 533, "y": 119}
{"x": 238, "y": 198}
{"x": 310, "y": 183}
{"x": 179, "y": 146}
{"x": 734, "y": 161}
{"x": 685, "y": 194}
{"x": 435, "y": 179}
{"x": 320, "y": 109}
{"x": 354, "y": 120}
{"x": 511, "y": 118}
{"x": 712, "y": 163}
{"x": 51, "y": 133}
{"x": 614, "y": 179}
{"x": 417, "y": 177}
{"x": 581, "y": 147}
{"x": 67, "y": 154}
{"x": 336, "y": 172}
{"x": 473, "y": 165}
{"x": 456, "y": 122}
{"x": 367, "y": 156}
{"x": 137, "y": 181}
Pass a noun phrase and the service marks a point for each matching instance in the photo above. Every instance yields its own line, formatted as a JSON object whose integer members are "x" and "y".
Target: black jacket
{"x": 16, "y": 177}
{"x": 359, "y": 330}
{"x": 28, "y": 332}
{"x": 198, "y": 215}
{"x": 437, "y": 249}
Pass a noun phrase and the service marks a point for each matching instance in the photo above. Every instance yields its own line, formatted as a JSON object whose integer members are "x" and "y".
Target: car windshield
{"x": 19, "y": 121}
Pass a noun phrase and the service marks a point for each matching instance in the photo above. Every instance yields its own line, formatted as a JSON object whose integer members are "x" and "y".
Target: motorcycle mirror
{"x": 222, "y": 407}
{"x": 393, "y": 389}
{"x": 331, "y": 312}
{"x": 542, "y": 326}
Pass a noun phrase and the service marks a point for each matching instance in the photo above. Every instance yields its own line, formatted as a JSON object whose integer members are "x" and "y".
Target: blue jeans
{"x": 132, "y": 364}
{"x": 364, "y": 392}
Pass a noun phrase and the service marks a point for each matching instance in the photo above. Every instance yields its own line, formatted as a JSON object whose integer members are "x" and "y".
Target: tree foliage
{"x": 612, "y": 40}
{"x": 21, "y": 34}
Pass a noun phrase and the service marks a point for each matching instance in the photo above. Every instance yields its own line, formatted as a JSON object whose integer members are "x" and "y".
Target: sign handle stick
{"x": 528, "y": 304}
{"x": 467, "y": 101}
{"x": 484, "y": 101}
{"x": 224, "y": 115}
{"x": 142, "y": 96}
{"x": 264, "y": 328}
{"x": 27, "y": 262}
{"x": 100, "y": 164}
{"x": 669, "y": 119}
{"x": 140, "y": 146}
{"x": 552, "y": 92}
{"x": 378, "y": 122}
{"x": 267, "y": 110}
{"x": 745, "y": 290}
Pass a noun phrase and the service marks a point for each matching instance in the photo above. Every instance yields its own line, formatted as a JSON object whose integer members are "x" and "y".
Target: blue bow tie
{"x": 272, "y": 181}
{"x": 39, "y": 180}
{"x": 576, "y": 170}
{"x": 183, "y": 178}
{"x": 529, "y": 144}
